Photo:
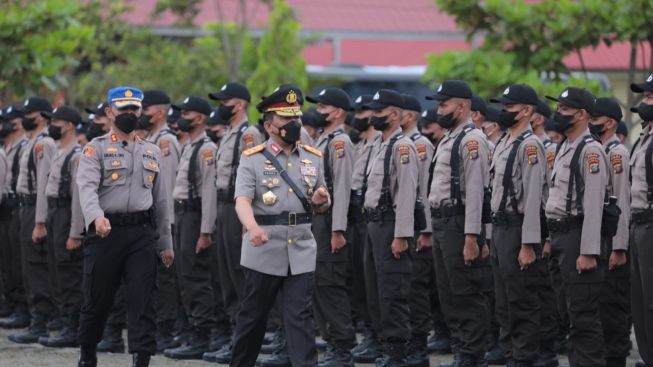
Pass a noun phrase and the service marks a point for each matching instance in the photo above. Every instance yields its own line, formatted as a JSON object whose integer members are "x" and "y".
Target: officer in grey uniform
{"x": 614, "y": 302}
{"x": 274, "y": 183}
{"x": 195, "y": 212}
{"x": 390, "y": 207}
{"x": 456, "y": 200}
{"x": 65, "y": 223}
{"x": 574, "y": 214}
{"x": 519, "y": 177}
{"x": 125, "y": 210}
{"x": 240, "y": 135}
{"x": 32, "y": 178}
{"x": 14, "y": 143}
{"x": 331, "y": 304}
{"x": 641, "y": 230}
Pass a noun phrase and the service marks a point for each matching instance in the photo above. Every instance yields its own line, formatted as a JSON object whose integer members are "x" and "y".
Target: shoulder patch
{"x": 404, "y": 154}
{"x": 593, "y": 162}
{"x": 164, "y": 145}
{"x": 248, "y": 139}
{"x": 207, "y": 156}
{"x": 422, "y": 154}
{"x": 472, "y": 148}
{"x": 531, "y": 154}
{"x": 310, "y": 149}
{"x": 114, "y": 138}
{"x": 550, "y": 156}
{"x": 251, "y": 151}
{"x": 88, "y": 151}
{"x": 339, "y": 147}
{"x": 617, "y": 163}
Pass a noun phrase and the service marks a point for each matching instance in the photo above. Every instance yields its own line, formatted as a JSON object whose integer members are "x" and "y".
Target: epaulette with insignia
{"x": 251, "y": 151}
{"x": 310, "y": 149}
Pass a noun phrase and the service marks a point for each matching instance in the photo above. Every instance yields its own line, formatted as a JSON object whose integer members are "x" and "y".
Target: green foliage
{"x": 184, "y": 10}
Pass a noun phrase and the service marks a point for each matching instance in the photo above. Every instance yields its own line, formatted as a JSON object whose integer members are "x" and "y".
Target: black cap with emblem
{"x": 360, "y": 101}
{"x": 573, "y": 97}
{"x": 310, "y": 118}
{"x": 429, "y": 116}
{"x": 231, "y": 90}
{"x": 385, "y": 98}
{"x": 647, "y": 86}
{"x": 411, "y": 103}
{"x": 97, "y": 110}
{"x": 154, "y": 97}
{"x": 451, "y": 89}
{"x": 174, "y": 114}
{"x": 11, "y": 112}
{"x": 492, "y": 114}
{"x": 478, "y": 104}
{"x": 196, "y": 104}
{"x": 335, "y": 97}
{"x": 64, "y": 113}
{"x": 35, "y": 104}
{"x": 517, "y": 94}
{"x": 215, "y": 119}
{"x": 543, "y": 108}
{"x": 607, "y": 107}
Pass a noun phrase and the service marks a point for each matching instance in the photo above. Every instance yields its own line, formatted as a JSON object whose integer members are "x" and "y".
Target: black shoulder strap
{"x": 15, "y": 166}
{"x": 328, "y": 176}
{"x": 508, "y": 186}
{"x": 236, "y": 158}
{"x": 632, "y": 150}
{"x": 415, "y": 136}
{"x": 367, "y": 164}
{"x": 31, "y": 165}
{"x": 648, "y": 164}
{"x": 385, "y": 200}
{"x": 192, "y": 169}
{"x": 64, "y": 181}
{"x": 609, "y": 147}
{"x": 284, "y": 174}
{"x": 455, "y": 165}
{"x": 160, "y": 135}
{"x": 575, "y": 176}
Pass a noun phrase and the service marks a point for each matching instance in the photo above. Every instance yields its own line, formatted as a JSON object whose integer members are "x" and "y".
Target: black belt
{"x": 563, "y": 225}
{"x": 129, "y": 219}
{"x": 9, "y": 196}
{"x": 642, "y": 217}
{"x": 283, "y": 219}
{"x": 188, "y": 205}
{"x": 380, "y": 215}
{"x": 58, "y": 202}
{"x": 223, "y": 196}
{"x": 27, "y": 199}
{"x": 507, "y": 220}
{"x": 447, "y": 211}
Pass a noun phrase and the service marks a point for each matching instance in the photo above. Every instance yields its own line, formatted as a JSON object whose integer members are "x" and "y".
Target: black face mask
{"x": 185, "y": 125}
{"x": 597, "y": 129}
{"x": 354, "y": 136}
{"x": 144, "y": 122}
{"x": 6, "y": 128}
{"x": 290, "y": 132}
{"x": 226, "y": 112}
{"x": 379, "y": 123}
{"x": 321, "y": 120}
{"x": 361, "y": 124}
{"x": 29, "y": 124}
{"x": 213, "y": 135}
{"x": 126, "y": 122}
{"x": 562, "y": 122}
{"x": 446, "y": 121}
{"x": 507, "y": 118}
{"x": 645, "y": 112}
{"x": 54, "y": 132}
{"x": 94, "y": 131}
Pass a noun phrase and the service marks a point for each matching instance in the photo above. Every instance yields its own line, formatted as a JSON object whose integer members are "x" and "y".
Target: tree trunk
{"x": 631, "y": 79}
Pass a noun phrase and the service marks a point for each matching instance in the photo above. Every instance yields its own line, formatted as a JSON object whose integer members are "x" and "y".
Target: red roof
{"x": 615, "y": 57}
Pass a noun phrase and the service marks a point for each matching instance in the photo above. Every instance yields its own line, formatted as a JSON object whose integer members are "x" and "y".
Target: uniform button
{"x": 290, "y": 242}
{"x": 289, "y": 165}
{"x": 290, "y": 189}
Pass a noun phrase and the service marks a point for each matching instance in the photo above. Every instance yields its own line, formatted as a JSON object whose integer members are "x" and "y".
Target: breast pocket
{"x": 150, "y": 170}
{"x": 115, "y": 171}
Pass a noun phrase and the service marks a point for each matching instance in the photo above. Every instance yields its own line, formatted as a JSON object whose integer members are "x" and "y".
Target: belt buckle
{"x": 292, "y": 219}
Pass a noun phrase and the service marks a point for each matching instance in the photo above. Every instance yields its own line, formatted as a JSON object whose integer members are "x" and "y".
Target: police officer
{"x": 312, "y": 123}
{"x": 519, "y": 177}
{"x": 65, "y": 223}
{"x": 14, "y": 144}
{"x": 491, "y": 127}
{"x": 274, "y": 183}
{"x": 195, "y": 214}
{"x": 456, "y": 200}
{"x": 429, "y": 127}
{"x": 100, "y": 124}
{"x": 32, "y": 178}
{"x": 479, "y": 110}
{"x": 216, "y": 127}
{"x": 125, "y": 209}
{"x": 574, "y": 213}
{"x": 622, "y": 132}
{"x": 614, "y": 302}
{"x": 641, "y": 229}
{"x": 390, "y": 204}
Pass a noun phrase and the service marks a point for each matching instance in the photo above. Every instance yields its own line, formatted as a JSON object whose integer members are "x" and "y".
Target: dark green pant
{"x": 641, "y": 265}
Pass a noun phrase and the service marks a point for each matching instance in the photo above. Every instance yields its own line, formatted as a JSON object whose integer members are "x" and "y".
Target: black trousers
{"x": 35, "y": 267}
{"x": 128, "y": 253}
{"x": 582, "y": 291}
{"x": 614, "y": 307}
{"x": 229, "y": 240}
{"x": 331, "y": 304}
{"x": 461, "y": 288}
{"x": 516, "y": 294}
{"x": 67, "y": 264}
{"x": 387, "y": 283}
{"x": 260, "y": 294}
{"x": 421, "y": 283}
{"x": 548, "y": 307}
{"x": 641, "y": 266}
{"x": 11, "y": 258}
{"x": 194, "y": 272}
{"x": 356, "y": 237}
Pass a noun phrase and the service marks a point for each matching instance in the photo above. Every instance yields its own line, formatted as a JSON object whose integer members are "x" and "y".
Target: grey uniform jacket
{"x": 250, "y": 138}
{"x": 170, "y": 154}
{"x": 620, "y": 171}
{"x": 364, "y": 151}
{"x": 123, "y": 177}
{"x": 54, "y": 180}
{"x": 639, "y": 186}
{"x": 11, "y": 151}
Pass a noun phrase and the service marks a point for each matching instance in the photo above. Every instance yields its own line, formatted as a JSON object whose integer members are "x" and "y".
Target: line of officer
{"x": 641, "y": 232}
{"x": 574, "y": 214}
{"x": 15, "y": 142}
{"x": 274, "y": 183}
{"x": 125, "y": 210}
{"x": 456, "y": 200}
{"x": 195, "y": 214}
{"x": 331, "y": 304}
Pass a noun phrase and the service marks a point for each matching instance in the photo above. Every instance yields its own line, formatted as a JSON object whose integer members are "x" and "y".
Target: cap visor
{"x": 438, "y": 97}
{"x": 47, "y": 115}
{"x": 502, "y": 99}
{"x": 126, "y": 103}
{"x": 375, "y": 106}
{"x": 289, "y": 113}
{"x": 641, "y": 87}
{"x": 219, "y": 96}
{"x": 634, "y": 109}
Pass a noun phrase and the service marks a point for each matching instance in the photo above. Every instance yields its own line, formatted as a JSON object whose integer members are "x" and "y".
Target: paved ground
{"x": 34, "y": 355}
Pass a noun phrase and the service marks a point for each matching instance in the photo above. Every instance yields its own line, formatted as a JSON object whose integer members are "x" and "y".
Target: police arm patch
{"x": 164, "y": 144}
{"x": 88, "y": 151}
{"x": 207, "y": 155}
{"x": 38, "y": 150}
{"x": 593, "y": 163}
{"x": 617, "y": 163}
{"x": 472, "y": 150}
{"x": 422, "y": 155}
{"x": 531, "y": 154}
{"x": 339, "y": 147}
{"x": 248, "y": 139}
{"x": 404, "y": 154}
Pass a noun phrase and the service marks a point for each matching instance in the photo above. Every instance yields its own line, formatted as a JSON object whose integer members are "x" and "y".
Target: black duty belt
{"x": 642, "y": 217}
{"x": 27, "y": 200}
{"x": 9, "y": 196}
{"x": 283, "y": 219}
{"x": 379, "y": 215}
{"x": 447, "y": 211}
{"x": 223, "y": 196}
{"x": 188, "y": 205}
{"x": 507, "y": 220}
{"x": 129, "y": 219}
{"x": 58, "y": 202}
{"x": 564, "y": 225}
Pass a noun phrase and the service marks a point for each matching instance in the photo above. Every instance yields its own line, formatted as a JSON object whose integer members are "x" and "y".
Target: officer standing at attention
{"x": 274, "y": 183}
{"x": 574, "y": 212}
{"x": 125, "y": 209}
{"x": 641, "y": 231}
{"x": 519, "y": 178}
{"x": 390, "y": 205}
{"x": 456, "y": 200}
{"x": 614, "y": 302}
{"x": 32, "y": 178}
{"x": 194, "y": 196}
{"x": 331, "y": 304}
{"x": 240, "y": 135}
{"x": 155, "y": 107}
{"x": 65, "y": 223}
